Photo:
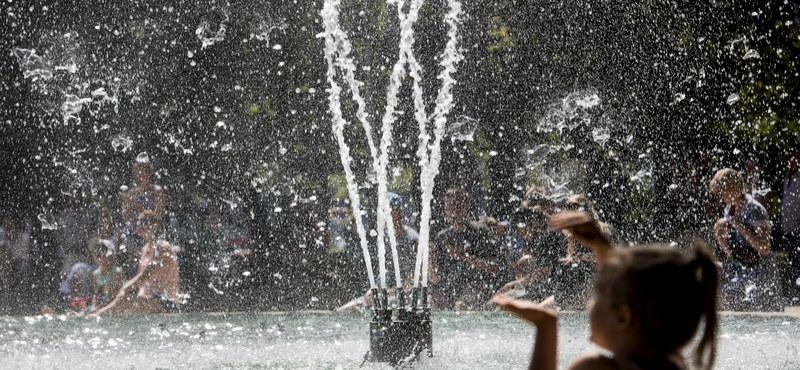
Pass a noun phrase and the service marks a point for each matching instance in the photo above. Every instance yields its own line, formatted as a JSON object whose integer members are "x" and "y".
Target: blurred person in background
{"x": 750, "y": 273}
{"x": 74, "y": 229}
{"x": 145, "y": 197}
{"x": 790, "y": 220}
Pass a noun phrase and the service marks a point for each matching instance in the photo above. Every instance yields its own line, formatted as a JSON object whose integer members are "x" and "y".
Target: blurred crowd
{"x": 478, "y": 256}
{"x": 129, "y": 253}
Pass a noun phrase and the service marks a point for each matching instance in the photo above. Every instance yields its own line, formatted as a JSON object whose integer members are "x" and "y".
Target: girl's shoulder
{"x": 602, "y": 362}
{"x": 596, "y": 361}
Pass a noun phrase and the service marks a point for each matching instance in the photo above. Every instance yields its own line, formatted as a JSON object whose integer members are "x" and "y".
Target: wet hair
{"x": 395, "y": 200}
{"x": 668, "y": 291}
{"x": 100, "y": 248}
{"x": 724, "y": 178}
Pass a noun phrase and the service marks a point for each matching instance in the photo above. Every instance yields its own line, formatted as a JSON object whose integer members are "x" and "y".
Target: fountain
{"x": 404, "y": 337}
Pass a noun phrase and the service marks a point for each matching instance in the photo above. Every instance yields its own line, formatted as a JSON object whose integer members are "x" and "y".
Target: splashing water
{"x": 121, "y": 143}
{"x": 543, "y": 164}
{"x": 752, "y": 54}
{"x": 33, "y": 65}
{"x": 100, "y": 96}
{"x": 143, "y": 157}
{"x": 48, "y": 221}
{"x": 463, "y": 129}
{"x": 732, "y": 99}
{"x": 209, "y": 36}
{"x": 72, "y": 107}
{"x": 335, "y": 44}
{"x": 264, "y": 30}
{"x": 571, "y": 113}
{"x": 601, "y": 135}
{"x": 430, "y": 168}
{"x": 587, "y": 101}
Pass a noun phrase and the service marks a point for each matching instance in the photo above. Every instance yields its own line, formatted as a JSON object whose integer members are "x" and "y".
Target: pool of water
{"x": 492, "y": 340}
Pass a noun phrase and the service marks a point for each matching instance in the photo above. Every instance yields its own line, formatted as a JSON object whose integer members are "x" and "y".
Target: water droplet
{"x": 121, "y": 143}
{"x": 463, "y": 128}
{"x": 733, "y": 99}
{"x": 601, "y": 135}
{"x": 752, "y": 54}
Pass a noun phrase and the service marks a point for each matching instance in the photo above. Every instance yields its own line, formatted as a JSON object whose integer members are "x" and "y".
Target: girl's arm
{"x": 721, "y": 234}
{"x": 546, "y": 322}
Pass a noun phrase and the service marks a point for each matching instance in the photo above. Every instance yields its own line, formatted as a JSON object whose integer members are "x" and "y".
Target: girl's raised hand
{"x": 583, "y": 228}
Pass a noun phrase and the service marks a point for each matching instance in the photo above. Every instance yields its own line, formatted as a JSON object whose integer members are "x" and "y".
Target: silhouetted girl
{"x": 648, "y": 303}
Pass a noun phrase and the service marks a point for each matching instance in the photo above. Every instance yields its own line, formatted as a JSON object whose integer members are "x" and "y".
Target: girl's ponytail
{"x": 706, "y": 272}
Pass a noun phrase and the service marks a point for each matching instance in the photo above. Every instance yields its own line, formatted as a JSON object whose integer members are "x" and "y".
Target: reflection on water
{"x": 332, "y": 341}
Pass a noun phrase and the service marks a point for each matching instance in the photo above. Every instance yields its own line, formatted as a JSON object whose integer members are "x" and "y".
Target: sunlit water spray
{"x": 578, "y": 110}
{"x": 337, "y": 54}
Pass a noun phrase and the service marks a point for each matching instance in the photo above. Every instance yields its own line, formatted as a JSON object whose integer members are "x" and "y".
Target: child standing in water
{"x": 647, "y": 306}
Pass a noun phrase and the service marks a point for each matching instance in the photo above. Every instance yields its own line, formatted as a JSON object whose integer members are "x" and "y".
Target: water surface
{"x": 333, "y": 341}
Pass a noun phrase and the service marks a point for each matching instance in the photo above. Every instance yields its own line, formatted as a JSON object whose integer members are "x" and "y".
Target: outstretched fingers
{"x": 537, "y": 314}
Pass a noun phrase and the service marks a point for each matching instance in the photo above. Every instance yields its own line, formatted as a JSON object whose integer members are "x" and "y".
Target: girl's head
{"x": 662, "y": 293}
